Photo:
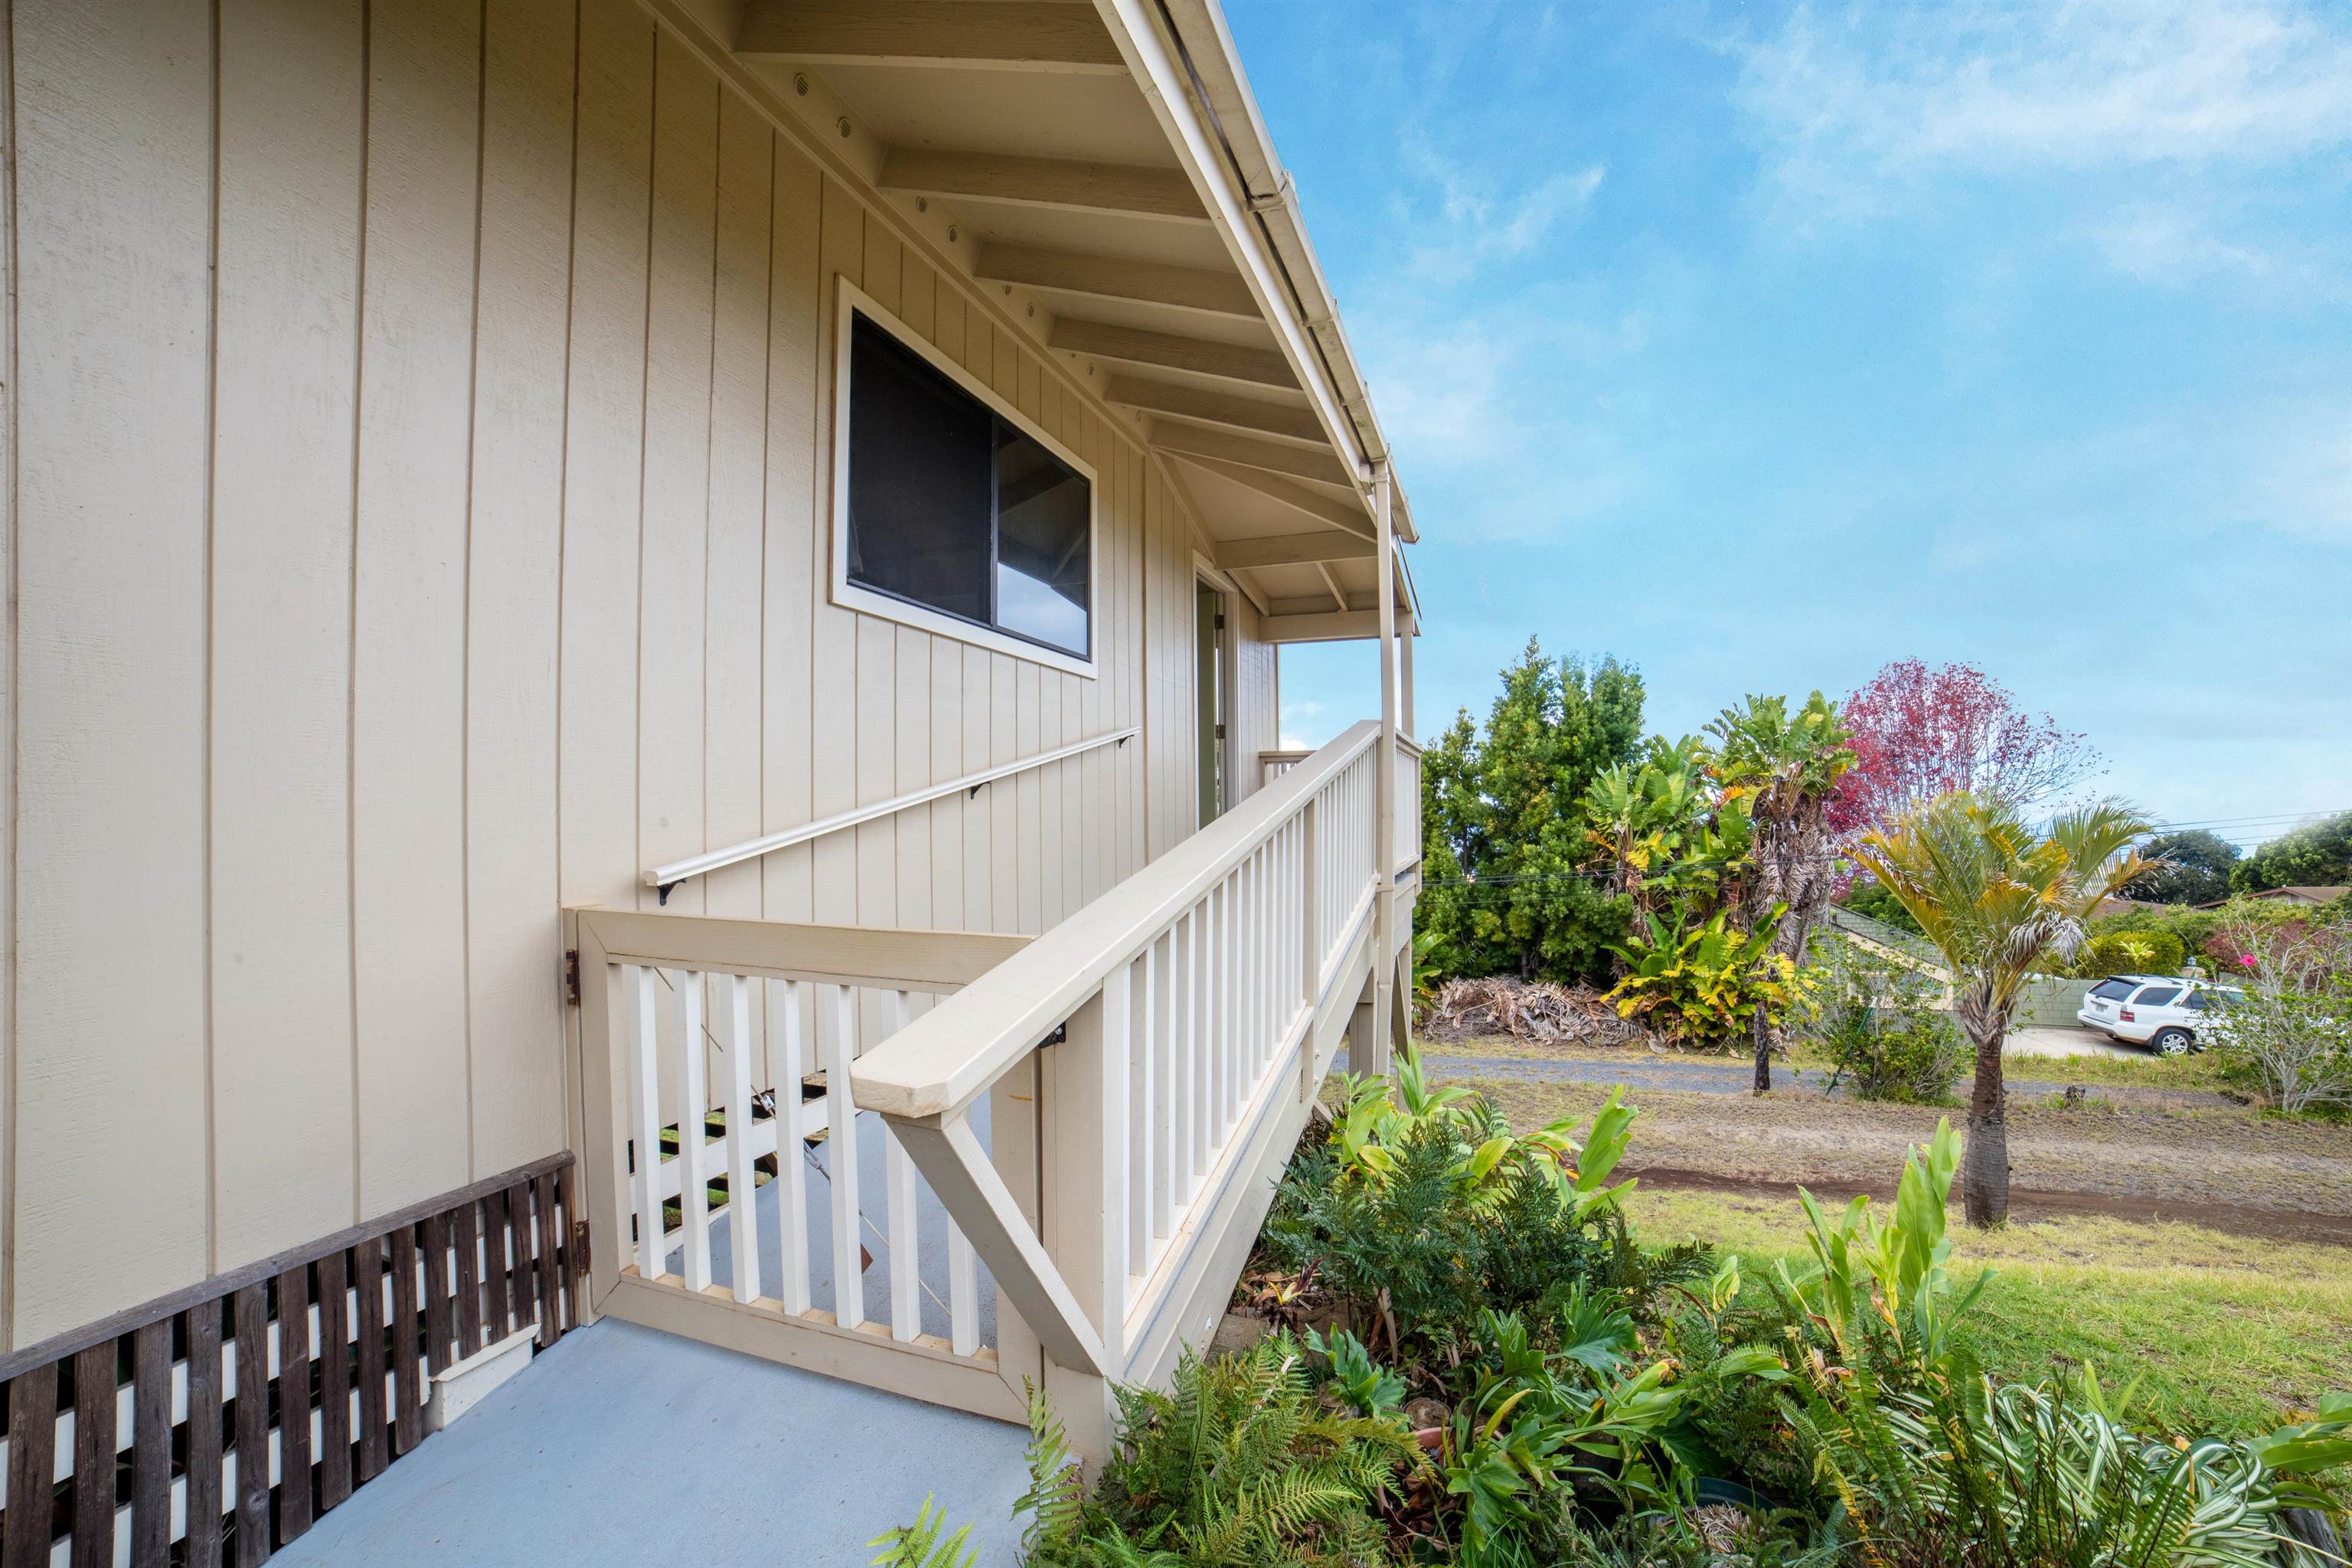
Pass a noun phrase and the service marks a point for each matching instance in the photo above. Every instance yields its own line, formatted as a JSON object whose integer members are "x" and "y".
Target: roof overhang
{"x": 1100, "y": 171}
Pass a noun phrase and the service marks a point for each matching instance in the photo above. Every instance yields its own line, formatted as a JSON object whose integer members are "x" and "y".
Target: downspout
{"x": 1232, "y": 113}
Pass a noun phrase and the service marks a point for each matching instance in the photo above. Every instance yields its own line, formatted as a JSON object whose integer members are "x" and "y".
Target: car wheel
{"x": 2171, "y": 1042}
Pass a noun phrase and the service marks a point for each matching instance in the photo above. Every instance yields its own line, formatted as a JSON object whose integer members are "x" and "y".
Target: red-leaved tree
{"x": 1919, "y": 732}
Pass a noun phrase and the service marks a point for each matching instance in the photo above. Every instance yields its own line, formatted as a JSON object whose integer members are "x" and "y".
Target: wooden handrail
{"x": 944, "y": 1060}
{"x": 662, "y": 879}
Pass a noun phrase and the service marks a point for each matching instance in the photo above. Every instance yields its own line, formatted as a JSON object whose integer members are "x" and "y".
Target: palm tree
{"x": 1998, "y": 898}
{"x": 1785, "y": 765}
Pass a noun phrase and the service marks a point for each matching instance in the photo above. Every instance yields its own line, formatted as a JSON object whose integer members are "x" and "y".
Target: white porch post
{"x": 1384, "y": 775}
{"x": 1404, "y": 666}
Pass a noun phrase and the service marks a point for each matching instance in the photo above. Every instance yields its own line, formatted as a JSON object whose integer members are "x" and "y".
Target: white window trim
{"x": 852, "y": 300}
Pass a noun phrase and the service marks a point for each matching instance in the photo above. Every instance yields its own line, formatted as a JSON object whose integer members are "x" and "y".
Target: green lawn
{"x": 2219, "y": 1331}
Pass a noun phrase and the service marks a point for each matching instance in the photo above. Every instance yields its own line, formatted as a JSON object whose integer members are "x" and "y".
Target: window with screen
{"x": 957, "y": 509}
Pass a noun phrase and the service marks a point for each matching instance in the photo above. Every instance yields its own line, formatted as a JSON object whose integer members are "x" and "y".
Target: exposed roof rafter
{"x": 1295, "y": 549}
{"x": 1297, "y": 462}
{"x": 1117, "y": 278}
{"x": 1230, "y": 362}
{"x": 1128, "y": 189}
{"x": 1001, "y": 35}
{"x": 1221, "y": 408}
{"x": 1307, "y": 503}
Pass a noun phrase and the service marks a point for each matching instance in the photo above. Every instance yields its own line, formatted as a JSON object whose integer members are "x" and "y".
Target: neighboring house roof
{"x": 2112, "y": 905}
{"x": 2289, "y": 896}
{"x": 1894, "y": 941}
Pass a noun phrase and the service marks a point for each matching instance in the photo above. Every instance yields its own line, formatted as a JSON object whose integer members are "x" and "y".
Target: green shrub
{"x": 2144, "y": 951}
{"x": 1880, "y": 1024}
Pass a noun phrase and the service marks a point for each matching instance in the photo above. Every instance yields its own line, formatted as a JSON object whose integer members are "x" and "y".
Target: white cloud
{"x": 2308, "y": 488}
{"x": 1855, "y": 110}
{"x": 1472, "y": 229}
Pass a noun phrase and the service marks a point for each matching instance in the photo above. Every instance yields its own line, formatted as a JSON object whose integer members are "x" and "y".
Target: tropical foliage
{"x": 1783, "y": 766}
{"x": 1600, "y": 1406}
{"x": 2319, "y": 855}
{"x": 1998, "y": 900}
{"x": 1505, "y": 887}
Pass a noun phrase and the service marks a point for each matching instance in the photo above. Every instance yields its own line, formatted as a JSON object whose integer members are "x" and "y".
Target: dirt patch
{"x": 2167, "y": 1160}
{"x": 2025, "y": 1204}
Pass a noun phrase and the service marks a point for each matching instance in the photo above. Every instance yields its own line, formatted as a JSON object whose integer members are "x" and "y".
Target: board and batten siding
{"x": 418, "y": 434}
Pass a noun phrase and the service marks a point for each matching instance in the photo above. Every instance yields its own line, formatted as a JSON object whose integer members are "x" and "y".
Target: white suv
{"x": 2162, "y": 1012}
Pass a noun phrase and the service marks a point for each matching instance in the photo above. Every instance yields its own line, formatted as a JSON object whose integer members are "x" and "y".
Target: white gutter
{"x": 1199, "y": 26}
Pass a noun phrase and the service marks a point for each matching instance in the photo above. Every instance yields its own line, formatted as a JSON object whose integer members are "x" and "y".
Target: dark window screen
{"x": 954, "y": 508}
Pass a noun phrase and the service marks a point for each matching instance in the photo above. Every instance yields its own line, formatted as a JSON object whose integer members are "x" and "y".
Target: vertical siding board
{"x": 833, "y": 631}
{"x": 114, "y": 138}
{"x": 408, "y": 677}
{"x": 605, "y": 413}
{"x": 796, "y": 511}
{"x": 514, "y": 581}
{"x": 671, "y": 626}
{"x": 1029, "y": 832}
{"x": 739, "y": 418}
{"x": 287, "y": 339}
{"x": 911, "y": 752}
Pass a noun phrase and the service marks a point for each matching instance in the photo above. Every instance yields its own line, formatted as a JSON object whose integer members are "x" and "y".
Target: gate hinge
{"x": 1221, "y": 732}
{"x": 571, "y": 975}
{"x": 1221, "y": 620}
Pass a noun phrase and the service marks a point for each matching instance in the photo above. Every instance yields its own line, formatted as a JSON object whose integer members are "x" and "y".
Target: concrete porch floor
{"x": 624, "y": 1444}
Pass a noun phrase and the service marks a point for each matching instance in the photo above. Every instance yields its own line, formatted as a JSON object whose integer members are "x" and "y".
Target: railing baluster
{"x": 693, "y": 1132}
{"x": 905, "y": 1248}
{"x": 963, "y": 1293}
{"x": 1142, "y": 1114}
{"x": 791, "y": 1065}
{"x": 1196, "y": 1043}
{"x": 848, "y": 1273}
{"x": 744, "y": 1212}
{"x": 1167, "y": 1088}
{"x": 644, "y": 1078}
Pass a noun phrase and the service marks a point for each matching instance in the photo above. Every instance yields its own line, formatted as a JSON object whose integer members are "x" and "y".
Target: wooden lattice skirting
{"x": 104, "y": 1463}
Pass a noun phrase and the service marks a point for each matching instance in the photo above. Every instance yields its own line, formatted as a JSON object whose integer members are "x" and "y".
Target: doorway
{"x": 1209, "y": 698}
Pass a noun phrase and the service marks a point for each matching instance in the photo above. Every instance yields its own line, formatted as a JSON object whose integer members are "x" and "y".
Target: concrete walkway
{"x": 624, "y": 1445}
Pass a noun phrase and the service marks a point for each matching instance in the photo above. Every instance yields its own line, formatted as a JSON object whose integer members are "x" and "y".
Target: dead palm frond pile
{"x": 1530, "y": 1010}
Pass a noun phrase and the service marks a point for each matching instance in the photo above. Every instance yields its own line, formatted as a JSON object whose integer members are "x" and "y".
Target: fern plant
{"x": 924, "y": 1545}
{"x": 1238, "y": 1463}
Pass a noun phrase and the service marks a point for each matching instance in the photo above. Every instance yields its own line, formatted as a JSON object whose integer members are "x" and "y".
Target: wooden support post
{"x": 1384, "y": 773}
{"x": 1084, "y": 1158}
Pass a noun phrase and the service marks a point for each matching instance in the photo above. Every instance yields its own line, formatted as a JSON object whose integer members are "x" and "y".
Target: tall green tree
{"x": 1997, "y": 898}
{"x": 2319, "y": 855}
{"x": 1505, "y": 804}
{"x": 2190, "y": 868}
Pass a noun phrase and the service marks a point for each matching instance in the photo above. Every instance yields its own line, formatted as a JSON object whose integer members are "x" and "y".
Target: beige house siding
{"x": 419, "y": 443}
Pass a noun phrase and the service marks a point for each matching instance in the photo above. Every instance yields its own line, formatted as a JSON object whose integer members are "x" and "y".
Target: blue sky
{"x": 1757, "y": 345}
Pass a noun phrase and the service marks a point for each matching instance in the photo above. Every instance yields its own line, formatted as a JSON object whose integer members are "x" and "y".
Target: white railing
{"x": 1056, "y": 1151}
{"x": 714, "y": 1053}
{"x": 1272, "y": 765}
{"x": 1165, "y": 1040}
